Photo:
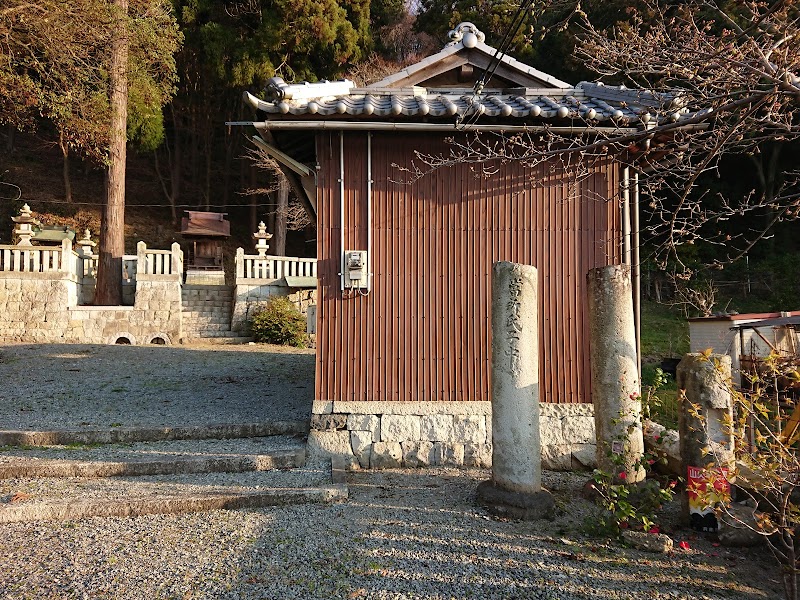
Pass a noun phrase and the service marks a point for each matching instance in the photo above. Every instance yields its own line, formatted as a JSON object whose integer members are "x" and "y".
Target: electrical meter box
{"x": 356, "y": 275}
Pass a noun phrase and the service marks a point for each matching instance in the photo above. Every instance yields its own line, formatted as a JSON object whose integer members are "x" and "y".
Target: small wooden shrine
{"x": 205, "y": 234}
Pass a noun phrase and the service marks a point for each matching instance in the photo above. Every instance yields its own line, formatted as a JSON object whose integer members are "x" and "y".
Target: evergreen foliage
{"x": 279, "y": 322}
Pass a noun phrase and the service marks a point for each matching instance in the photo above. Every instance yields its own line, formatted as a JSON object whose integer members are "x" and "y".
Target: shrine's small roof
{"x": 206, "y": 224}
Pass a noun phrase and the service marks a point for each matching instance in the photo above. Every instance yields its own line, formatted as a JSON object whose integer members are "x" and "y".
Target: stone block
{"x": 469, "y": 429}
{"x": 478, "y": 455}
{"x": 326, "y": 444}
{"x": 400, "y": 428}
{"x": 436, "y": 428}
{"x": 551, "y": 432}
{"x": 448, "y": 454}
{"x": 328, "y": 422}
{"x": 361, "y": 443}
{"x": 584, "y": 456}
{"x": 369, "y": 423}
{"x": 557, "y": 457}
{"x": 386, "y": 455}
{"x": 578, "y": 429}
{"x": 417, "y": 454}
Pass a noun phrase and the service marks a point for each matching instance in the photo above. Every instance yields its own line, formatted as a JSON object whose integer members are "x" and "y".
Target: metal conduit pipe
{"x": 369, "y": 211}
{"x": 341, "y": 208}
{"x": 637, "y": 270}
{"x": 626, "y": 216}
{"x": 430, "y": 127}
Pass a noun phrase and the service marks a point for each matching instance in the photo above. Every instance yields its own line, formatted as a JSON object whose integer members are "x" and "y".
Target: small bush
{"x": 279, "y": 322}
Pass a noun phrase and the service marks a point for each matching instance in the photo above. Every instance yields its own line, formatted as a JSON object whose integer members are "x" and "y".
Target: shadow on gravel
{"x": 420, "y": 535}
{"x": 89, "y": 386}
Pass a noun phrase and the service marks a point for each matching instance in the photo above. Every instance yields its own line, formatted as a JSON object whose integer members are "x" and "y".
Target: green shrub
{"x": 279, "y": 322}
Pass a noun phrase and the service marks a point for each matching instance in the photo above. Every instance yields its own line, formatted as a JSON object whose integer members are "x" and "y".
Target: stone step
{"x": 128, "y": 435}
{"x": 225, "y": 337}
{"x": 154, "y": 458}
{"x": 40, "y": 499}
{"x": 209, "y": 329}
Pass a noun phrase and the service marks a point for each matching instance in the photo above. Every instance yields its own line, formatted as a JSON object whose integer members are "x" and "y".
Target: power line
{"x": 157, "y": 205}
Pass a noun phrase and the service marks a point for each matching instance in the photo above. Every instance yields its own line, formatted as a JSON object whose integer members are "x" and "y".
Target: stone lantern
{"x": 86, "y": 244}
{"x": 25, "y": 222}
{"x": 261, "y": 237}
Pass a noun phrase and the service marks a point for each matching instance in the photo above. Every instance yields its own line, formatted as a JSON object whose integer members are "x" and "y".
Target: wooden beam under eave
{"x": 304, "y": 186}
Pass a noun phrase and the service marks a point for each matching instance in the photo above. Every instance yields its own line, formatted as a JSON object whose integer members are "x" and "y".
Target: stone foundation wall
{"x": 378, "y": 435}
{"x": 249, "y": 298}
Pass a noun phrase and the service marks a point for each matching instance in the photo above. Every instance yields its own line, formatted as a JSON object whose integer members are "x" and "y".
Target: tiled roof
{"x": 388, "y": 100}
{"x": 587, "y": 101}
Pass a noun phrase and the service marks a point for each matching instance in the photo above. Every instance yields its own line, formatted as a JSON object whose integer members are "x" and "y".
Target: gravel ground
{"x": 402, "y": 535}
{"x": 45, "y": 490}
{"x": 90, "y": 386}
{"x": 147, "y": 451}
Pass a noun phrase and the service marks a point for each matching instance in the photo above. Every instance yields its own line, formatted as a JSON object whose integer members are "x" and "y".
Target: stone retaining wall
{"x": 33, "y": 306}
{"x": 251, "y": 296}
{"x": 409, "y": 434}
{"x": 43, "y": 308}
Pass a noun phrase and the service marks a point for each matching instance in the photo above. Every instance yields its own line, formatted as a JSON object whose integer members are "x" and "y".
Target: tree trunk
{"x": 253, "y": 200}
{"x": 65, "y": 170}
{"x": 279, "y": 239}
{"x": 11, "y": 132}
{"x": 112, "y": 226}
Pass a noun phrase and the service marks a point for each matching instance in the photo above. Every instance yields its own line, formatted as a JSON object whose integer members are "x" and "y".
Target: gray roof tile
{"x": 557, "y": 104}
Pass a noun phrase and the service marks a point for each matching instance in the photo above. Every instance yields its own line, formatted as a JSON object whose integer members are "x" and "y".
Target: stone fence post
{"x": 141, "y": 258}
{"x": 177, "y": 259}
{"x": 68, "y": 260}
{"x": 239, "y": 263}
{"x": 615, "y": 374}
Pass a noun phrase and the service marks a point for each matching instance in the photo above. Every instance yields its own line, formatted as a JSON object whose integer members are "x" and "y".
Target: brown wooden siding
{"x": 423, "y": 333}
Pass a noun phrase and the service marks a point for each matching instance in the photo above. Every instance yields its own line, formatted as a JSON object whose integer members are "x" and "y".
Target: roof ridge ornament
{"x": 466, "y": 33}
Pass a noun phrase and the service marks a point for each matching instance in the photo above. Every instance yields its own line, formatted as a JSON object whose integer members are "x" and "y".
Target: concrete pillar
{"x": 706, "y": 435}
{"x": 615, "y": 374}
{"x": 516, "y": 486}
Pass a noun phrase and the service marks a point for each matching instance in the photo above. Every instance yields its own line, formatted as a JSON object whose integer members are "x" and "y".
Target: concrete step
{"x": 38, "y": 499}
{"x": 154, "y": 458}
{"x": 127, "y": 435}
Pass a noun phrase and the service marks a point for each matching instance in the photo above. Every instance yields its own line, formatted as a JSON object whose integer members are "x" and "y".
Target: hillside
{"x": 36, "y": 164}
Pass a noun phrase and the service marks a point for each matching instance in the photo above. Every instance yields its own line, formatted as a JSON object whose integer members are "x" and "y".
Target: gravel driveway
{"x": 402, "y": 535}
{"x": 90, "y": 386}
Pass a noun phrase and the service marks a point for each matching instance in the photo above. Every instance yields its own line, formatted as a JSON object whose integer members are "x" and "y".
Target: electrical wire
{"x": 147, "y": 205}
{"x": 491, "y": 68}
{"x": 16, "y": 187}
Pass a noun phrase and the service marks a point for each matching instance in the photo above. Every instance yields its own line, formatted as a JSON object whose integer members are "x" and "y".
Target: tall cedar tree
{"x": 57, "y": 62}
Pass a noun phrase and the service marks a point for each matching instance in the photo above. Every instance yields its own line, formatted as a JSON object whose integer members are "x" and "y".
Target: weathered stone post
{"x": 516, "y": 485}
{"x": 615, "y": 374}
{"x": 704, "y": 423}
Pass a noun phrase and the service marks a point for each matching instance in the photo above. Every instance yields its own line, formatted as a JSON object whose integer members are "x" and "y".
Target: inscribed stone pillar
{"x": 516, "y": 485}
{"x": 615, "y": 374}
{"x": 704, "y": 436}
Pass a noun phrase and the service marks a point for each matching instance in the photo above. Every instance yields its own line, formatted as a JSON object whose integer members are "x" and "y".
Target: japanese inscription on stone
{"x": 514, "y": 319}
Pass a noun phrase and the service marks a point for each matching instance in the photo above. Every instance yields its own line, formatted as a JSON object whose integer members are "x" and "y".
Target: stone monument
{"x": 615, "y": 374}
{"x": 515, "y": 489}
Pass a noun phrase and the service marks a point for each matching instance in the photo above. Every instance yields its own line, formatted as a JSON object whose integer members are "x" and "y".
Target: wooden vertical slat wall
{"x": 423, "y": 333}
